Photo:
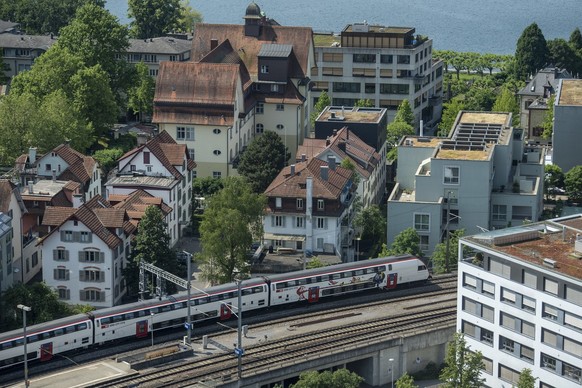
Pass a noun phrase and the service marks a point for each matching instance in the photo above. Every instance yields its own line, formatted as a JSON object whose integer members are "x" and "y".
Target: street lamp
{"x": 188, "y": 319}
{"x": 152, "y": 327}
{"x": 391, "y": 360}
{"x": 358, "y": 248}
{"x": 25, "y": 309}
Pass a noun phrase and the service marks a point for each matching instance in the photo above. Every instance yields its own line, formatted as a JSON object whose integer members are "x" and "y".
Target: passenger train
{"x": 138, "y": 319}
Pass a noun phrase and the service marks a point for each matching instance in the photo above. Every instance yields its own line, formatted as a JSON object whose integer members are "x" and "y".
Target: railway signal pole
{"x": 25, "y": 309}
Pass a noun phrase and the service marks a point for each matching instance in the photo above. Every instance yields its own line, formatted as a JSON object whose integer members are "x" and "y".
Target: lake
{"x": 461, "y": 25}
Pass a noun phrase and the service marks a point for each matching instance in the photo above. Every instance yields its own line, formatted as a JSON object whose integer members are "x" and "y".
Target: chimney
{"x": 331, "y": 162}
{"x": 32, "y": 155}
{"x": 324, "y": 171}
{"x": 213, "y": 43}
{"x": 292, "y": 170}
{"x": 303, "y": 157}
{"x": 54, "y": 175}
{"x": 30, "y": 187}
{"x": 327, "y": 141}
{"x": 332, "y": 115}
{"x": 335, "y": 132}
{"x": 421, "y": 128}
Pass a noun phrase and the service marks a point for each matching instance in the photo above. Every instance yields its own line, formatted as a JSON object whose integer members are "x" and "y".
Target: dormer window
{"x": 278, "y": 203}
{"x": 264, "y": 69}
{"x": 320, "y": 204}
{"x": 275, "y": 88}
{"x": 299, "y": 203}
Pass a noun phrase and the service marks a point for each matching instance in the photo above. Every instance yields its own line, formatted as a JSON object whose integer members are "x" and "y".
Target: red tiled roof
{"x": 6, "y": 189}
{"x": 56, "y": 215}
{"x": 136, "y": 203}
{"x": 109, "y": 217}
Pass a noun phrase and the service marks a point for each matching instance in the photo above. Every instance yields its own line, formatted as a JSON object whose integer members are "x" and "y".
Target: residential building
{"x": 533, "y": 100}
{"x": 384, "y": 65}
{"x": 481, "y": 176}
{"x": 153, "y": 51}
{"x": 36, "y": 198}
{"x": 162, "y": 168}
{"x": 342, "y": 145}
{"x": 8, "y": 27}
{"x": 64, "y": 163}
{"x": 567, "y": 117}
{"x": 309, "y": 208}
{"x": 136, "y": 204}
{"x": 20, "y": 51}
{"x": 6, "y": 251}
{"x": 85, "y": 251}
{"x": 11, "y": 204}
{"x": 520, "y": 302}
{"x": 243, "y": 80}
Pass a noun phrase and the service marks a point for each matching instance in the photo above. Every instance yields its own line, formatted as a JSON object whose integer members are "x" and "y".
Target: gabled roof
{"x": 167, "y": 151}
{"x": 543, "y": 80}
{"x": 293, "y": 185}
{"x": 224, "y": 53}
{"x": 160, "y": 45}
{"x": 80, "y": 166}
{"x": 28, "y": 42}
{"x": 248, "y": 47}
{"x": 136, "y": 203}
{"x": 7, "y": 188}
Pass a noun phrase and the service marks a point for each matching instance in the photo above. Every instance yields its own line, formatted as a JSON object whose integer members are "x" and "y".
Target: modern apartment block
{"x": 383, "y": 64}
{"x": 481, "y": 176}
{"x": 520, "y": 301}
{"x": 567, "y": 117}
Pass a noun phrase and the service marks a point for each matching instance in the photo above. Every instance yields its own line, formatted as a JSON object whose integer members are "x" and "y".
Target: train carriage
{"x": 46, "y": 339}
{"x": 311, "y": 285}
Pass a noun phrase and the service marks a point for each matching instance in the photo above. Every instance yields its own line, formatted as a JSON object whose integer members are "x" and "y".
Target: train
{"x": 137, "y": 320}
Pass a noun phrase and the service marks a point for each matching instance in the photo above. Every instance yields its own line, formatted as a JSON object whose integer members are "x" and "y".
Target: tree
{"x": 526, "y": 380}
{"x": 107, "y": 159}
{"x": 459, "y": 62}
{"x": 364, "y": 103}
{"x": 340, "y": 378}
{"x": 573, "y": 182}
{"x": 347, "y": 163}
{"x": 206, "y": 186}
{"x": 576, "y": 39}
{"x": 407, "y": 241}
{"x": 406, "y": 381}
{"x": 153, "y": 18}
{"x": 481, "y": 95}
{"x": 232, "y": 220}
{"x": 562, "y": 54}
{"x": 141, "y": 93}
{"x": 505, "y": 102}
{"x": 531, "y": 53}
{"x": 440, "y": 254}
{"x": 322, "y": 102}
{"x": 371, "y": 224}
{"x": 315, "y": 262}
{"x": 395, "y": 131}
{"x": 450, "y": 111}
{"x": 264, "y": 158}
{"x": 4, "y": 67}
{"x": 462, "y": 367}
{"x": 189, "y": 17}
{"x": 548, "y": 122}
{"x": 554, "y": 176}
{"x": 404, "y": 113}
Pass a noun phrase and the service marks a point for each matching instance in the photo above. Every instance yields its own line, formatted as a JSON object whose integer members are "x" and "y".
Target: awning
{"x": 283, "y": 237}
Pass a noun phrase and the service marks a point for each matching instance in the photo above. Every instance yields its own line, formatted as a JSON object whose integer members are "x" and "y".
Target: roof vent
{"x": 550, "y": 263}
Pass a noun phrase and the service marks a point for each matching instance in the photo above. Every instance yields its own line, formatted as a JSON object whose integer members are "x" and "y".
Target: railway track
{"x": 298, "y": 348}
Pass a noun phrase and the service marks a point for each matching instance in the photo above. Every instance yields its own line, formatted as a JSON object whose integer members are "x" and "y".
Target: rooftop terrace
{"x": 571, "y": 92}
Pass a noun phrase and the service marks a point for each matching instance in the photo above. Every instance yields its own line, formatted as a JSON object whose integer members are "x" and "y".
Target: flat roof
{"x": 570, "y": 92}
{"x": 45, "y": 187}
{"x": 379, "y": 29}
{"x": 150, "y": 181}
{"x": 557, "y": 240}
{"x": 352, "y": 114}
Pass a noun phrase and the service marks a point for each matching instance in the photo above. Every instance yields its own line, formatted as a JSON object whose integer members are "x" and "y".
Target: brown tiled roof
{"x": 60, "y": 199}
{"x": 293, "y": 186}
{"x": 136, "y": 203}
{"x": 170, "y": 114}
{"x": 72, "y": 186}
{"x": 248, "y": 47}
{"x": 224, "y": 53}
{"x": 56, "y": 215}
{"x": 311, "y": 147}
{"x": 291, "y": 96}
{"x": 110, "y": 217}
{"x": 6, "y": 189}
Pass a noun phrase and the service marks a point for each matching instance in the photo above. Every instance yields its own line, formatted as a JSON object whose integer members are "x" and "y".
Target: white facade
{"x": 6, "y": 237}
{"x": 519, "y": 310}
{"x": 566, "y": 136}
{"x": 82, "y": 268}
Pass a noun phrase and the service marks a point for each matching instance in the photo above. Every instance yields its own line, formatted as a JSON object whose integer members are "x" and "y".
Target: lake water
{"x": 463, "y": 25}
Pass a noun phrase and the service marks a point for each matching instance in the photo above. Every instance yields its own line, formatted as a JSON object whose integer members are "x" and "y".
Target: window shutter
{"x": 82, "y": 276}
{"x": 272, "y": 220}
{"x": 55, "y": 274}
{"x": 68, "y": 293}
{"x": 102, "y": 276}
{"x": 90, "y": 237}
{"x": 55, "y": 254}
{"x": 62, "y": 235}
{"x": 102, "y": 296}
{"x": 66, "y": 255}
{"x": 283, "y": 218}
{"x": 76, "y": 236}
{"x": 325, "y": 223}
{"x": 82, "y": 295}
{"x": 67, "y": 274}
{"x": 82, "y": 256}
{"x": 101, "y": 257}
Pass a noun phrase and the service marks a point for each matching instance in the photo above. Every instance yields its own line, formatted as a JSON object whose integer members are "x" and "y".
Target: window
{"x": 508, "y": 374}
{"x": 280, "y": 107}
{"x": 572, "y": 372}
{"x": 487, "y": 365}
{"x": 548, "y": 362}
{"x": 393, "y": 88}
{"x": 549, "y": 338}
{"x": 216, "y": 152}
{"x": 67, "y": 235}
{"x": 487, "y": 336}
{"x": 278, "y": 202}
{"x": 487, "y": 312}
{"x": 508, "y": 296}
{"x": 488, "y": 288}
{"x": 274, "y": 88}
{"x": 422, "y": 222}
{"x": 264, "y": 69}
{"x": 452, "y": 196}
{"x": 500, "y": 268}
{"x": 528, "y": 304}
{"x": 346, "y": 87}
{"x": 60, "y": 254}
{"x": 259, "y": 128}
{"x": 573, "y": 321}
{"x": 469, "y": 329}
{"x": 572, "y": 347}
{"x": 299, "y": 222}
{"x": 280, "y": 127}
{"x": 92, "y": 295}
{"x": 64, "y": 293}
{"x": 528, "y": 329}
{"x": 216, "y": 174}
{"x": 191, "y": 153}
{"x": 333, "y": 57}
{"x": 321, "y": 223}
{"x": 154, "y": 72}
{"x": 370, "y": 88}
{"x": 260, "y": 108}
{"x": 386, "y": 58}
{"x": 451, "y": 175}
{"x": 185, "y": 133}
{"x": 85, "y": 237}
{"x": 91, "y": 257}
{"x": 91, "y": 275}
{"x": 550, "y": 286}
{"x": 507, "y": 345}
{"x": 146, "y": 157}
{"x": 364, "y": 58}
{"x": 508, "y": 321}
{"x": 499, "y": 213}
{"x": 403, "y": 59}
{"x": 332, "y": 71}
{"x": 424, "y": 243}
{"x": 278, "y": 221}
{"x": 550, "y": 312}
{"x": 61, "y": 274}
{"x": 320, "y": 204}
{"x": 469, "y": 281}
{"x": 299, "y": 203}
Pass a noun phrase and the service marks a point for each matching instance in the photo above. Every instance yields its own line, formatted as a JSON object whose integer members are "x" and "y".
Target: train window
{"x": 291, "y": 283}
{"x": 421, "y": 267}
{"x": 46, "y": 335}
{"x": 389, "y": 267}
{"x": 141, "y": 313}
{"x": 82, "y": 326}
{"x": 203, "y": 300}
{"x": 70, "y": 329}
{"x": 19, "y": 342}
{"x": 336, "y": 276}
{"x": 166, "y": 308}
{"x": 213, "y": 298}
{"x": 129, "y": 316}
{"x": 248, "y": 291}
{"x": 358, "y": 272}
{"x": 318, "y": 279}
{"x": 85, "y": 340}
{"x": 105, "y": 321}
{"x": 280, "y": 286}
{"x": 7, "y": 345}
{"x": 154, "y": 310}
{"x": 301, "y": 282}
{"x": 258, "y": 289}
{"x": 117, "y": 318}
{"x": 32, "y": 338}
{"x": 261, "y": 302}
{"x": 58, "y": 332}
{"x": 309, "y": 280}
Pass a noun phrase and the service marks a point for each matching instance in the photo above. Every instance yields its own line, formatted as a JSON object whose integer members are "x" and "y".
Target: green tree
{"x": 4, "y": 67}
{"x": 481, "y": 95}
{"x": 462, "y": 367}
{"x": 450, "y": 111}
{"x": 153, "y": 18}
{"x": 564, "y": 55}
{"x": 404, "y": 113}
{"x": 322, "y": 102}
{"x": 364, "y": 103}
{"x": 340, "y": 378}
{"x": 440, "y": 255}
{"x": 18, "y": 114}
{"x": 107, "y": 159}
{"x": 573, "y": 182}
{"x": 554, "y": 176}
{"x": 347, "y": 163}
{"x": 576, "y": 39}
{"x": 459, "y": 62}
{"x": 526, "y": 379}
{"x": 231, "y": 221}
{"x": 407, "y": 241}
{"x": 395, "y": 131}
{"x": 548, "y": 122}
{"x": 189, "y": 17}
{"x": 264, "y": 158}
{"x": 505, "y": 102}
{"x": 371, "y": 224}
{"x": 531, "y": 53}
{"x": 315, "y": 262}
{"x": 141, "y": 93}
{"x": 406, "y": 381}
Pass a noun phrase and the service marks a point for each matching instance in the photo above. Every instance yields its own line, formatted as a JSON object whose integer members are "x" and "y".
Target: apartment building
{"x": 383, "y": 64}
{"x": 20, "y": 51}
{"x": 12, "y": 206}
{"x": 153, "y": 51}
{"x": 481, "y": 176}
{"x": 520, "y": 301}
{"x": 309, "y": 209}
{"x": 567, "y": 117}
{"x": 6, "y": 251}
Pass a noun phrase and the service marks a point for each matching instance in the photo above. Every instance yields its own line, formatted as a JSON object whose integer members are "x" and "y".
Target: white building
{"x": 162, "y": 168}
{"x": 11, "y": 205}
{"x": 309, "y": 208}
{"x": 383, "y": 64}
{"x": 481, "y": 176}
{"x": 520, "y": 302}
{"x": 85, "y": 252}
{"x": 6, "y": 251}
{"x": 153, "y": 51}
{"x": 567, "y": 136}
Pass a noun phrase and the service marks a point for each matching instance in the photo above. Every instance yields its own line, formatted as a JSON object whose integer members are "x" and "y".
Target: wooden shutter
{"x": 82, "y": 257}
{"x": 102, "y": 296}
{"x": 56, "y": 274}
{"x": 101, "y": 257}
{"x": 67, "y": 274}
{"x": 90, "y": 237}
{"x": 66, "y": 255}
{"x": 82, "y": 295}
{"x": 55, "y": 254}
{"x": 68, "y": 294}
{"x": 62, "y": 235}
{"x": 102, "y": 276}
{"x": 82, "y": 276}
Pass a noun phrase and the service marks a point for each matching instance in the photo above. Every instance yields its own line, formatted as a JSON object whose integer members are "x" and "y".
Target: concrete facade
{"x": 567, "y": 133}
